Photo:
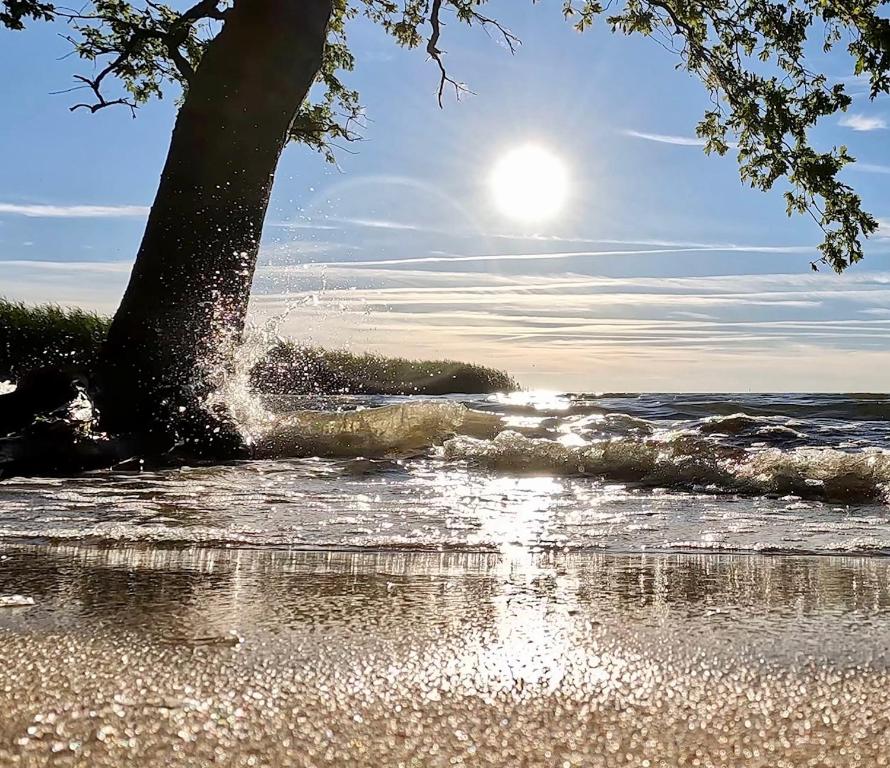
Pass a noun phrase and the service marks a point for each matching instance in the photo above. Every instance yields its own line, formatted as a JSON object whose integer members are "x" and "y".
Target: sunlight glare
{"x": 529, "y": 184}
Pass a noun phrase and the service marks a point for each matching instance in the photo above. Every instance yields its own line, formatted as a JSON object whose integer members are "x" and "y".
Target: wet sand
{"x": 143, "y": 657}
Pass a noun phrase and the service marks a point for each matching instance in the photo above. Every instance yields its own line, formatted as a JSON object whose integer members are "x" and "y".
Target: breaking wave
{"x": 692, "y": 463}
{"x": 737, "y": 453}
{"x": 393, "y": 430}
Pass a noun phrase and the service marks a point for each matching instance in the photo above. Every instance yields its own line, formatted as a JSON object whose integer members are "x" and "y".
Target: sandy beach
{"x": 146, "y": 656}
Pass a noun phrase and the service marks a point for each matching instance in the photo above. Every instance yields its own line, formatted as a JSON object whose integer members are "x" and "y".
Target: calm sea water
{"x": 526, "y": 472}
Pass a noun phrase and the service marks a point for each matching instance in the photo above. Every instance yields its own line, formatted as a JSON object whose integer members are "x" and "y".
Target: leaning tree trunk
{"x": 187, "y": 297}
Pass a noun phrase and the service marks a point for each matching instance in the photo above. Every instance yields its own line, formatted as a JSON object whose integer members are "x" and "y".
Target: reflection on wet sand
{"x": 441, "y": 658}
{"x": 139, "y": 586}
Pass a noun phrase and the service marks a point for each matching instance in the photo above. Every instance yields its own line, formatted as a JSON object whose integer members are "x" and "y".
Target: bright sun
{"x": 529, "y": 184}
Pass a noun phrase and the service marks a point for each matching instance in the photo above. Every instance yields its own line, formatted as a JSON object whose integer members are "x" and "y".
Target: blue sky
{"x": 662, "y": 273}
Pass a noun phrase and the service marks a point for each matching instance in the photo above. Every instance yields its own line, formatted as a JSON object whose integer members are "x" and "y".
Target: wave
{"x": 689, "y": 462}
{"x": 762, "y": 457}
{"x": 112, "y": 537}
{"x": 402, "y": 429}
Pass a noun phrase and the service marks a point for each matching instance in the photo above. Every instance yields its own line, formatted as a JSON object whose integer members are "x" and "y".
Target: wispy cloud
{"x": 646, "y": 241}
{"x": 297, "y": 251}
{"x": 95, "y": 285}
{"x": 300, "y": 224}
{"x": 40, "y": 211}
{"x": 859, "y": 122}
{"x": 655, "y": 242}
{"x": 104, "y": 267}
{"x": 382, "y": 224}
{"x": 772, "y": 331}
{"x": 693, "y": 316}
{"x": 490, "y": 257}
{"x": 342, "y": 222}
{"x": 870, "y": 168}
{"x": 860, "y": 84}
{"x": 663, "y": 138}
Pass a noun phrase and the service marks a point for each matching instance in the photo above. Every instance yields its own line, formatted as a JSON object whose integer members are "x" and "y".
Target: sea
{"x": 519, "y": 473}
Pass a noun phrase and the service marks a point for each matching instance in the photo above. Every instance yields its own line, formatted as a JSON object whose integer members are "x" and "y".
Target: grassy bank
{"x": 46, "y": 335}
{"x": 291, "y": 368}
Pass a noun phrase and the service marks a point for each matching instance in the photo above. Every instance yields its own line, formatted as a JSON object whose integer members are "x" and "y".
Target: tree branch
{"x": 432, "y": 48}
{"x": 101, "y": 102}
{"x": 510, "y": 40}
{"x": 153, "y": 24}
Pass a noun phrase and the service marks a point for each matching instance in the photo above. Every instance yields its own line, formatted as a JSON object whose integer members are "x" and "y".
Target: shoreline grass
{"x": 33, "y": 336}
{"x": 292, "y": 368}
{"x": 48, "y": 335}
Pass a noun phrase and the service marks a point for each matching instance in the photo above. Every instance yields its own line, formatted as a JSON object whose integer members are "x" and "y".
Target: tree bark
{"x": 186, "y": 301}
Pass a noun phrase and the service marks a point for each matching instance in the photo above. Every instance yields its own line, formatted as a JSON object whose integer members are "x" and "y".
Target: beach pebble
{"x": 15, "y": 601}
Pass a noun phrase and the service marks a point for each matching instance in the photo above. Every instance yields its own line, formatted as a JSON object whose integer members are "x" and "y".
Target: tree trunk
{"x": 187, "y": 298}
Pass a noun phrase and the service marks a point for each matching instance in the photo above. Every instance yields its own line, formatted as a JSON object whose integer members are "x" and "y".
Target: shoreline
{"x": 148, "y": 656}
{"x": 542, "y": 553}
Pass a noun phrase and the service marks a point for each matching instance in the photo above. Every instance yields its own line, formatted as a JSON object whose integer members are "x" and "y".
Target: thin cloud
{"x": 612, "y": 241}
{"x": 663, "y": 138}
{"x": 339, "y": 223}
{"x": 613, "y": 333}
{"x": 693, "y": 316}
{"x": 288, "y": 251}
{"x": 861, "y": 84}
{"x": 653, "y": 242}
{"x": 451, "y": 259}
{"x": 359, "y": 284}
{"x": 870, "y": 168}
{"x": 105, "y": 267}
{"x": 74, "y": 211}
{"x": 300, "y": 225}
{"x": 852, "y": 79}
{"x": 382, "y": 224}
{"x": 859, "y": 122}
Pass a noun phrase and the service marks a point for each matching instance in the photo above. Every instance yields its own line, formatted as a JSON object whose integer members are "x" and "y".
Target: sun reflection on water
{"x": 514, "y": 513}
{"x": 539, "y": 399}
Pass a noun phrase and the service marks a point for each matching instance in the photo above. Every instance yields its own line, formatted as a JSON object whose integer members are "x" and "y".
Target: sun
{"x": 530, "y": 184}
